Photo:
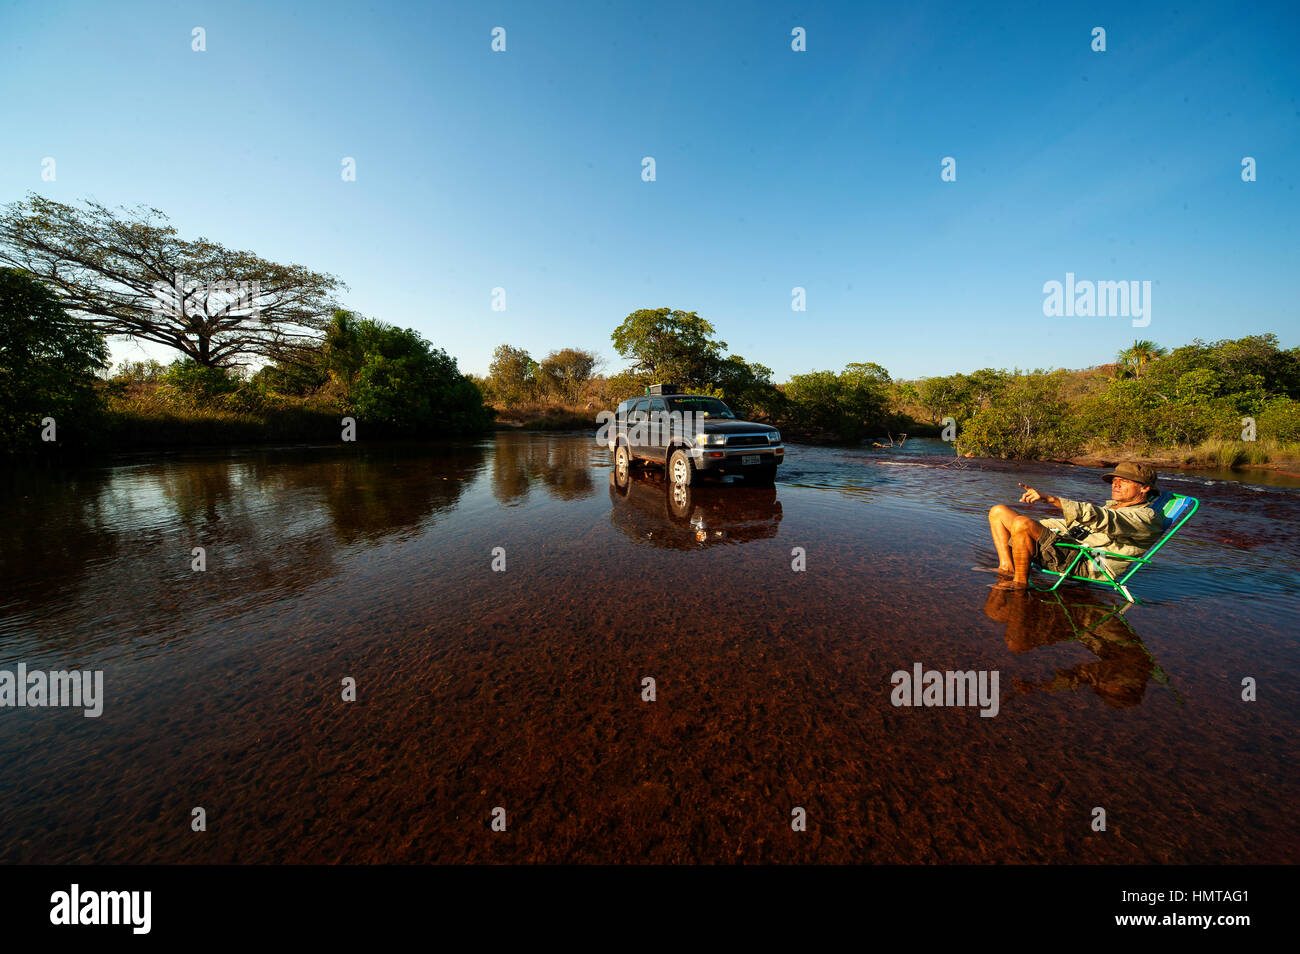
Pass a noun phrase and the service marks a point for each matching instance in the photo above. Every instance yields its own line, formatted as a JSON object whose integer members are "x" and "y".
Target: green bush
{"x": 397, "y": 384}
{"x": 1279, "y": 419}
{"x": 850, "y": 404}
{"x": 293, "y": 379}
{"x": 188, "y": 384}
{"x": 1028, "y": 417}
{"x": 48, "y": 364}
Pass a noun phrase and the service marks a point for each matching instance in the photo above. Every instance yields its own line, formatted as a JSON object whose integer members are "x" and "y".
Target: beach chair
{"x": 1177, "y": 508}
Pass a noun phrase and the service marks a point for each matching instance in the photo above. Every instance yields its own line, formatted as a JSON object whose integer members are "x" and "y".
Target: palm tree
{"x": 1140, "y": 355}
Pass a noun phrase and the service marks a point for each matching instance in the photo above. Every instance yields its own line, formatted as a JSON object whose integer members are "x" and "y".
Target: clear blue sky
{"x": 775, "y": 169}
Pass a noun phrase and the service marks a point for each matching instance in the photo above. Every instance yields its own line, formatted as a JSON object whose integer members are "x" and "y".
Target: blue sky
{"x": 775, "y": 169}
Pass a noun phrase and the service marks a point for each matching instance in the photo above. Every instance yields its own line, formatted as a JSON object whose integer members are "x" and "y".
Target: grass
{"x": 1246, "y": 453}
{"x": 151, "y": 424}
{"x": 1228, "y": 454}
{"x": 1214, "y": 452}
{"x": 540, "y": 416}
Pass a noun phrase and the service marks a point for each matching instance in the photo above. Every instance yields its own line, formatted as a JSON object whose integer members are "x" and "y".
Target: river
{"x": 500, "y": 604}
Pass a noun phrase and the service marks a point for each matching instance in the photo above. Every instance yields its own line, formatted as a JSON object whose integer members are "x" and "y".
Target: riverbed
{"x": 499, "y": 606}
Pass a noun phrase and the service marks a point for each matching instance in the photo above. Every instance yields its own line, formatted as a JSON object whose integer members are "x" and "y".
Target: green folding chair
{"x": 1177, "y": 509}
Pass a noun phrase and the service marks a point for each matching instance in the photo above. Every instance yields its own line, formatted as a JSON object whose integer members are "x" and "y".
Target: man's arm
{"x": 1033, "y": 496}
{"x": 1119, "y": 524}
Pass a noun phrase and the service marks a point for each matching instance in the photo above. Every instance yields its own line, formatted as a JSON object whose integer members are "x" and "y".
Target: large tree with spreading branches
{"x": 127, "y": 272}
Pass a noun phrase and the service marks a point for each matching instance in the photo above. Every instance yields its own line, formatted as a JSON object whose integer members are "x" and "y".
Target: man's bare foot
{"x": 1010, "y": 585}
{"x": 1006, "y": 569}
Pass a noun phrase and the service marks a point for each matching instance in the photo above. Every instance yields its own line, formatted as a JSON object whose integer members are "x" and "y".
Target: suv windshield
{"x": 708, "y": 406}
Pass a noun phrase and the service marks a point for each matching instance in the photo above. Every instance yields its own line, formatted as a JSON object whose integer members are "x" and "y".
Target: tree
{"x": 850, "y": 403}
{"x": 960, "y": 395}
{"x": 129, "y": 273}
{"x": 667, "y": 345}
{"x": 567, "y": 371}
{"x": 396, "y": 383}
{"x": 48, "y": 363}
{"x": 1140, "y": 355}
{"x": 943, "y": 396}
{"x": 1028, "y": 417}
{"x": 513, "y": 375}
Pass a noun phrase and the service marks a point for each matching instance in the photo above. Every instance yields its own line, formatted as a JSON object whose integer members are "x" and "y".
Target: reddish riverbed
{"x": 522, "y": 689}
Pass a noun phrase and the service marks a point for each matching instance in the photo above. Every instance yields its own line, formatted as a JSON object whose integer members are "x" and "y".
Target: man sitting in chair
{"x": 1129, "y": 523}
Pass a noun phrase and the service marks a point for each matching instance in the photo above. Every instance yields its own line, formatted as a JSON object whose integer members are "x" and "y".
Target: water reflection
{"x": 54, "y": 531}
{"x": 1123, "y": 666}
{"x": 105, "y": 556}
{"x": 657, "y": 512}
{"x": 559, "y": 463}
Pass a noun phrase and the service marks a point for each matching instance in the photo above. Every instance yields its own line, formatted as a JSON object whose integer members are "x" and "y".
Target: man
{"x": 1129, "y": 523}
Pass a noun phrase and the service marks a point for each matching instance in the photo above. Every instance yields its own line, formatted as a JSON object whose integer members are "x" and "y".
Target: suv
{"x": 692, "y": 434}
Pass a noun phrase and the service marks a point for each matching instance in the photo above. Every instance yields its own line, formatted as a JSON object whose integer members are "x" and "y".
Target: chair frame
{"x": 1097, "y": 557}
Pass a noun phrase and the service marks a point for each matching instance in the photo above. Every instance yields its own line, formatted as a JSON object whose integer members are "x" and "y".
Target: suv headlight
{"x": 774, "y": 437}
{"x": 703, "y": 438}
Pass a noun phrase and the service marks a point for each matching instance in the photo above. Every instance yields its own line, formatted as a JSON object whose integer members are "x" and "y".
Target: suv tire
{"x": 680, "y": 469}
{"x": 622, "y": 464}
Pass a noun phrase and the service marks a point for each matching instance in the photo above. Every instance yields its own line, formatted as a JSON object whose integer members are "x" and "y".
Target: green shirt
{"x": 1128, "y": 530}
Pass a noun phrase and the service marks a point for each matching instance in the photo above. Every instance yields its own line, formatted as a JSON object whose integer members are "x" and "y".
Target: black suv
{"x": 692, "y": 434}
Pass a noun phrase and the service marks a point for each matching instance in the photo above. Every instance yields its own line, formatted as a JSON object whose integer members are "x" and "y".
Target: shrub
{"x": 850, "y": 404}
{"x": 398, "y": 384}
{"x": 1028, "y": 417}
{"x": 188, "y": 384}
{"x": 48, "y": 364}
{"x": 1279, "y": 419}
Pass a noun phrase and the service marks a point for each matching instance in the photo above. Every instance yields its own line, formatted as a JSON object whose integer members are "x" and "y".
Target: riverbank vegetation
{"x": 264, "y": 353}
{"x": 389, "y": 380}
{"x": 57, "y": 392}
{"x": 1228, "y": 403}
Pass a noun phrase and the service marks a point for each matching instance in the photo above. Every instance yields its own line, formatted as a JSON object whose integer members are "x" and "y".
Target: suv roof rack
{"x": 659, "y": 390}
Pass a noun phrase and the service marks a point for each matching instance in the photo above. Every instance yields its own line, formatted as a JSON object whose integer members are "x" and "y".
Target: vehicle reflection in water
{"x": 658, "y": 512}
{"x": 1123, "y": 666}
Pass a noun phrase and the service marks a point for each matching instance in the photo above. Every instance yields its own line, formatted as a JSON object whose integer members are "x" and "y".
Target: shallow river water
{"x": 523, "y": 688}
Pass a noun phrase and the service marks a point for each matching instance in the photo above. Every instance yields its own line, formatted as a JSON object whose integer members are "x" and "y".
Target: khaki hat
{"x": 1138, "y": 473}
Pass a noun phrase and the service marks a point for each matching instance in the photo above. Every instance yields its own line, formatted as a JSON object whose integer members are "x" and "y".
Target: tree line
{"x": 263, "y": 349}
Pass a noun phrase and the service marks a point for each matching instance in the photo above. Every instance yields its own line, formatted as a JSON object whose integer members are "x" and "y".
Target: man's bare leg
{"x": 1013, "y": 537}
{"x": 1000, "y": 519}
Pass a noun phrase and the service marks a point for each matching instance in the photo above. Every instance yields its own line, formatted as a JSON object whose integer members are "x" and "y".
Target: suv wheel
{"x": 680, "y": 470}
{"x": 622, "y": 464}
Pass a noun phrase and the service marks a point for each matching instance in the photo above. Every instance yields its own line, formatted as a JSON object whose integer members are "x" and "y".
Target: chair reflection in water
{"x": 1123, "y": 666}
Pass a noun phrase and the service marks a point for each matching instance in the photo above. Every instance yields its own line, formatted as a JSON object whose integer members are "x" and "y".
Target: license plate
{"x": 749, "y": 459}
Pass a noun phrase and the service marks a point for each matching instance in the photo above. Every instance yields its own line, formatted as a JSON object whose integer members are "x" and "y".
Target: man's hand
{"x": 1033, "y": 496}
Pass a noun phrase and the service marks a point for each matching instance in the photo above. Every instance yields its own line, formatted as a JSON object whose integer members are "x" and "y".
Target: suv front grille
{"x": 747, "y": 440}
